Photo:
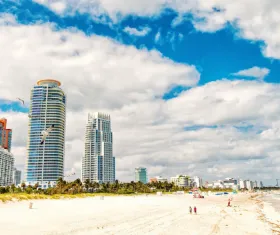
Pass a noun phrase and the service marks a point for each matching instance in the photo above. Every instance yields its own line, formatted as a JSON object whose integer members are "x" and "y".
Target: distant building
{"x": 242, "y": 184}
{"x": 180, "y": 180}
{"x": 6, "y": 167}
{"x": 16, "y": 177}
{"x": 261, "y": 184}
{"x": 141, "y": 175}
{"x": 249, "y": 184}
{"x": 158, "y": 179}
{"x": 218, "y": 184}
{"x": 196, "y": 182}
{"x": 255, "y": 184}
{"x": 153, "y": 180}
{"x": 5, "y": 135}
{"x": 231, "y": 183}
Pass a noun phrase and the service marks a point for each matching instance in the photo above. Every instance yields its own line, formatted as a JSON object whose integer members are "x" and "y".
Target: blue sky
{"x": 216, "y": 54}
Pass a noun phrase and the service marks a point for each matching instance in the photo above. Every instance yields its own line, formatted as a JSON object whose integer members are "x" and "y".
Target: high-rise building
{"x": 249, "y": 184}
{"x": 5, "y": 135}
{"x": 16, "y": 176}
{"x": 45, "y": 163}
{"x": 242, "y": 184}
{"x": 98, "y": 163}
{"x": 6, "y": 167}
{"x": 261, "y": 184}
{"x": 141, "y": 175}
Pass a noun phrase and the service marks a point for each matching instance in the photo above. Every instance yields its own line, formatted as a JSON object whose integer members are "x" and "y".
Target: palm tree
{"x": 13, "y": 187}
{"x": 87, "y": 184}
{"x": 23, "y": 185}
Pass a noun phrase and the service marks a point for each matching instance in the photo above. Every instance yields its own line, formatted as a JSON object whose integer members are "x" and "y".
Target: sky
{"x": 192, "y": 86}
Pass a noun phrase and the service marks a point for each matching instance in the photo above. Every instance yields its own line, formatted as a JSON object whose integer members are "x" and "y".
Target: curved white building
{"x": 98, "y": 163}
{"x": 45, "y": 163}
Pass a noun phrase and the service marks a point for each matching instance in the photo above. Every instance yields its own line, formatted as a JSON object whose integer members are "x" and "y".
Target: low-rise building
{"x": 230, "y": 183}
{"x": 6, "y": 167}
{"x": 153, "y": 180}
{"x": 218, "y": 184}
{"x": 180, "y": 180}
{"x": 158, "y": 179}
{"x": 195, "y": 182}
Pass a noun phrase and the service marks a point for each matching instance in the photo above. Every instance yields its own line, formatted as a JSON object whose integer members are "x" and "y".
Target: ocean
{"x": 273, "y": 198}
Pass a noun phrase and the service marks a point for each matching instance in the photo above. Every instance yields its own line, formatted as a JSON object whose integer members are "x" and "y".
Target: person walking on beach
{"x": 228, "y": 203}
{"x": 194, "y": 209}
{"x": 190, "y": 210}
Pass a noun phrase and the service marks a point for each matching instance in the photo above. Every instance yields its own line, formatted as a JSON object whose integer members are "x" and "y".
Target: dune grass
{"x": 6, "y": 197}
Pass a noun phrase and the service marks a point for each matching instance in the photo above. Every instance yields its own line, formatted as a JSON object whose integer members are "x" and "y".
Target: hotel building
{"x": 98, "y": 162}
{"x": 45, "y": 163}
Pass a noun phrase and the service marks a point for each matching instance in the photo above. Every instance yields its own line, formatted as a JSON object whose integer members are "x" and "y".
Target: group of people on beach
{"x": 194, "y": 210}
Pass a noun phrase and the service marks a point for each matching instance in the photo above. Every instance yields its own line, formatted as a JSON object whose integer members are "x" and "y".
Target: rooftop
{"x": 48, "y": 81}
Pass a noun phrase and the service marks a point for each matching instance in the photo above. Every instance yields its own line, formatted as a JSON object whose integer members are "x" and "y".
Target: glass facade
{"x": 45, "y": 163}
{"x": 98, "y": 163}
{"x": 141, "y": 175}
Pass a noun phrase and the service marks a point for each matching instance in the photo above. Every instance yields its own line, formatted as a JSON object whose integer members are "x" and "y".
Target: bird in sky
{"x": 45, "y": 133}
{"x": 21, "y": 100}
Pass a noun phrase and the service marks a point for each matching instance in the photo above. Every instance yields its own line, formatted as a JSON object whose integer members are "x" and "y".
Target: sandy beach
{"x": 167, "y": 214}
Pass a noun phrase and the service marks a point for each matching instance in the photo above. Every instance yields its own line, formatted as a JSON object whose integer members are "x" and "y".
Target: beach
{"x": 156, "y": 215}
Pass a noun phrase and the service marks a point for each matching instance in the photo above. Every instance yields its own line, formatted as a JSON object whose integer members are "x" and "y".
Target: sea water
{"x": 273, "y": 198}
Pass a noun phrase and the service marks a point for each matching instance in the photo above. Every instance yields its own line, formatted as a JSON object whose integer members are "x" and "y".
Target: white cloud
{"x": 255, "y": 72}
{"x": 141, "y": 32}
{"x": 256, "y": 20}
{"x": 99, "y": 74}
{"x": 157, "y": 37}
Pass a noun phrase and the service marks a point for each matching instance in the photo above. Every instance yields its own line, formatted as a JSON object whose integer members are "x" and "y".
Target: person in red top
{"x": 194, "y": 209}
{"x": 228, "y": 202}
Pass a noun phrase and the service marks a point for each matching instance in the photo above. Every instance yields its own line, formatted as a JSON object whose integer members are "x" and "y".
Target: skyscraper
{"x": 6, "y": 167}
{"x": 5, "y": 135}
{"x": 98, "y": 163}
{"x": 45, "y": 163}
{"x": 7, "y": 160}
{"x": 16, "y": 176}
{"x": 141, "y": 175}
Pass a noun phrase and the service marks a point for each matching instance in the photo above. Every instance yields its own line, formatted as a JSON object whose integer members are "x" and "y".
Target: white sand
{"x": 155, "y": 215}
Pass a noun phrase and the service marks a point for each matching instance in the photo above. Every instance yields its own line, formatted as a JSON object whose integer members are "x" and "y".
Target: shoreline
{"x": 267, "y": 213}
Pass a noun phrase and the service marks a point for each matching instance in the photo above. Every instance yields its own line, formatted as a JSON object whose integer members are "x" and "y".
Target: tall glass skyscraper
{"x": 141, "y": 175}
{"x": 45, "y": 163}
{"x": 98, "y": 163}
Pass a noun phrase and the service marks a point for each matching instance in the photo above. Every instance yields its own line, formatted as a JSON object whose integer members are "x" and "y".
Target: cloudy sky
{"x": 192, "y": 86}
